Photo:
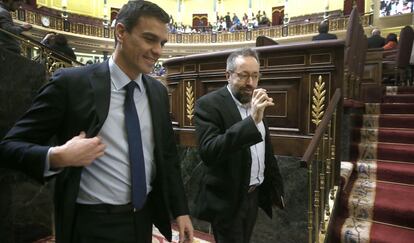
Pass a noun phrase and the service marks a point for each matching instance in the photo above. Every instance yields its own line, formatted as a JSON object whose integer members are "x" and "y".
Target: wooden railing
{"x": 33, "y": 16}
{"x": 51, "y": 59}
{"x": 323, "y": 163}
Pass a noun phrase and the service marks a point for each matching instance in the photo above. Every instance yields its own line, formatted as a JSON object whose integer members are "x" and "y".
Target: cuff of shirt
{"x": 258, "y": 125}
{"x": 47, "y": 171}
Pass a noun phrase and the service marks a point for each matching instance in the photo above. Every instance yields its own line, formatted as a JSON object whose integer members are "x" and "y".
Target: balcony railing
{"x": 33, "y": 16}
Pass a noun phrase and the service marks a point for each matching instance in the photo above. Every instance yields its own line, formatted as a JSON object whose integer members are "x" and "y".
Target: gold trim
{"x": 200, "y": 17}
{"x": 279, "y": 10}
{"x": 318, "y": 100}
{"x": 189, "y": 94}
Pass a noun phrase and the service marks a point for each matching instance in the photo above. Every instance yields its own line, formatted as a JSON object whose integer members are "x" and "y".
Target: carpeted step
{"x": 394, "y": 90}
{"x": 394, "y": 204}
{"x": 400, "y": 172}
{"x": 389, "y": 108}
{"x": 384, "y": 120}
{"x": 353, "y": 230}
{"x": 388, "y": 135}
{"x": 382, "y": 151}
{"x": 400, "y": 98}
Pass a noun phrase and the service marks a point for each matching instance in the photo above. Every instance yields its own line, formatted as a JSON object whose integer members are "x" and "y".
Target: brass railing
{"x": 279, "y": 31}
{"x": 322, "y": 163}
{"x": 58, "y": 23}
{"x": 51, "y": 59}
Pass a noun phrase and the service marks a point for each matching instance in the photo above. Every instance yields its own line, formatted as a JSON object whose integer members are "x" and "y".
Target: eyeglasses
{"x": 246, "y": 77}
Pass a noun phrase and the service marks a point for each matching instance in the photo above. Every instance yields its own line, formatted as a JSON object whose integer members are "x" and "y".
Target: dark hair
{"x": 323, "y": 27}
{"x": 245, "y": 52}
{"x": 134, "y": 9}
{"x": 61, "y": 40}
{"x": 392, "y": 37}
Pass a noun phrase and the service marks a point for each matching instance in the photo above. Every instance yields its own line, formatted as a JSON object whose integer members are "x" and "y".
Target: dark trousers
{"x": 105, "y": 223}
{"x": 240, "y": 229}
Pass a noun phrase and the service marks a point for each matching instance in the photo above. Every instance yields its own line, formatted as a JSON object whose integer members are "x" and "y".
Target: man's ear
{"x": 120, "y": 31}
{"x": 228, "y": 75}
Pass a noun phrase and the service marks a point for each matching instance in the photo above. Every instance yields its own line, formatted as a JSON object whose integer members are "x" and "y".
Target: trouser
{"x": 104, "y": 223}
{"x": 240, "y": 229}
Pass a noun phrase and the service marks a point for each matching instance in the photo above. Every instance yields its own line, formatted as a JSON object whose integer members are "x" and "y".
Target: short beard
{"x": 242, "y": 97}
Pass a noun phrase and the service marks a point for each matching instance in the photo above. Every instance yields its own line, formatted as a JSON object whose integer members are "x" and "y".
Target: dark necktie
{"x": 136, "y": 155}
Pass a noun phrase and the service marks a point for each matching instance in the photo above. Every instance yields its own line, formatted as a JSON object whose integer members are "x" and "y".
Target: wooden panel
{"x": 189, "y": 68}
{"x": 323, "y": 58}
{"x": 214, "y": 66}
{"x": 289, "y": 73}
{"x": 286, "y": 60}
{"x": 285, "y": 92}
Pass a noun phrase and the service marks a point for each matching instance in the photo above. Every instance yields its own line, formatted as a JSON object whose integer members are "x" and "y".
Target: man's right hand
{"x": 79, "y": 151}
{"x": 260, "y": 100}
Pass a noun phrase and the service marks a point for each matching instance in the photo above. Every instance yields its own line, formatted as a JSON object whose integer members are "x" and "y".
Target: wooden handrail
{"x": 36, "y": 43}
{"x": 320, "y": 130}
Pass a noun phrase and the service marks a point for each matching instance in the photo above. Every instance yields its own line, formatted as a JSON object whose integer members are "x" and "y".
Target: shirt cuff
{"x": 47, "y": 171}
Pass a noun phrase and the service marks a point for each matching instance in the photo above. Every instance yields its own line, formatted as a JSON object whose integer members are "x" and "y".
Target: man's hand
{"x": 79, "y": 151}
{"x": 185, "y": 228}
{"x": 260, "y": 100}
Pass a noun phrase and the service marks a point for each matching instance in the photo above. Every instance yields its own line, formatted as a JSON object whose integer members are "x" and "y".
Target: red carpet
{"x": 377, "y": 203}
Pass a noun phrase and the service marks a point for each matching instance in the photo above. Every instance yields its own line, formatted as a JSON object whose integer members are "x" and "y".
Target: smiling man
{"x": 115, "y": 158}
{"x": 241, "y": 172}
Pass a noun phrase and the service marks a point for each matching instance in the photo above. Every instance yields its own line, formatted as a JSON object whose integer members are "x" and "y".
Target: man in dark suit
{"x": 88, "y": 111}
{"x": 376, "y": 40}
{"x": 323, "y": 32}
{"x": 241, "y": 172}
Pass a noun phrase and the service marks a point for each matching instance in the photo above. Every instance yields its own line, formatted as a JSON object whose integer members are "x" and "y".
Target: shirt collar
{"x": 119, "y": 78}
{"x": 238, "y": 103}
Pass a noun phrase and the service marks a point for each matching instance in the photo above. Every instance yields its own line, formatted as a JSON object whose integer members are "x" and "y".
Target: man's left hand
{"x": 185, "y": 228}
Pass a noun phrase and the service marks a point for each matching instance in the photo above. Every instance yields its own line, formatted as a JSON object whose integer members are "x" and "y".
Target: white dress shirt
{"x": 257, "y": 150}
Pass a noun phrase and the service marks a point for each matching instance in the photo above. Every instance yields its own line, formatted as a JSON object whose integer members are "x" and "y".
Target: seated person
{"x": 376, "y": 40}
{"x": 323, "y": 32}
{"x": 391, "y": 42}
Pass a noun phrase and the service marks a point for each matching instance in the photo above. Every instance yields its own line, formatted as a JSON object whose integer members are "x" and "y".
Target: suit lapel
{"x": 155, "y": 104}
{"x": 230, "y": 105}
{"x": 101, "y": 84}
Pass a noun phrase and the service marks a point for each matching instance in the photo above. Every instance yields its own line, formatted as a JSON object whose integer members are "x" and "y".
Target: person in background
{"x": 114, "y": 156}
{"x": 6, "y": 23}
{"x": 49, "y": 39}
{"x": 60, "y": 44}
{"x": 323, "y": 32}
{"x": 376, "y": 40}
{"x": 391, "y": 42}
{"x": 241, "y": 172}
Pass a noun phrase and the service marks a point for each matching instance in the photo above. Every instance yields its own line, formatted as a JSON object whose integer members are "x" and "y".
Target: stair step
{"x": 390, "y": 90}
{"x": 394, "y": 204}
{"x": 384, "y": 120}
{"x": 373, "y": 232}
{"x": 395, "y": 172}
{"x": 399, "y": 98}
{"x": 389, "y": 108}
{"x": 382, "y": 151}
{"x": 388, "y": 135}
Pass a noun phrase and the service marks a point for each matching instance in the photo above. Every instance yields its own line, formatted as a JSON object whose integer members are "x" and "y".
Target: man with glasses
{"x": 241, "y": 172}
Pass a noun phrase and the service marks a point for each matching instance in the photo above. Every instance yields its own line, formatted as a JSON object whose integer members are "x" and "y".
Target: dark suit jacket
{"x": 324, "y": 36}
{"x": 75, "y": 100}
{"x": 376, "y": 41}
{"x": 224, "y": 146}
